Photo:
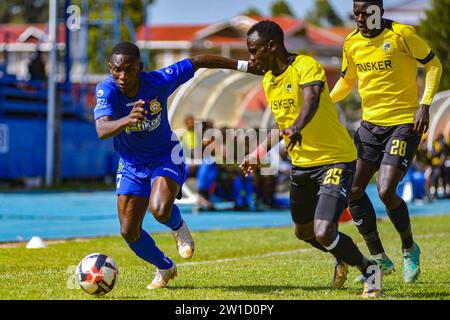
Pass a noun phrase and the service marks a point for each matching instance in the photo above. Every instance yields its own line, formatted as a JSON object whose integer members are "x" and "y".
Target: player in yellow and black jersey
{"x": 384, "y": 61}
{"x": 322, "y": 152}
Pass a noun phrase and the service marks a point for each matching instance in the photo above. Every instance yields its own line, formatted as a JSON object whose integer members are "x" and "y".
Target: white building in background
{"x": 408, "y": 12}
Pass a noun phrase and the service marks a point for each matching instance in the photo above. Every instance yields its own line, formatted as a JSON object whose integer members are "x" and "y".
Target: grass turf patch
{"x": 231, "y": 264}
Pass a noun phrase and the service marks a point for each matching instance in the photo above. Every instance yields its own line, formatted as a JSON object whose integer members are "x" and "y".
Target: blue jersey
{"x": 152, "y": 139}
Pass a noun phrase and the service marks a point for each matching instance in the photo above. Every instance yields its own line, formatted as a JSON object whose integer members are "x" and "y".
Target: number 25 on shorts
{"x": 333, "y": 176}
{"x": 398, "y": 147}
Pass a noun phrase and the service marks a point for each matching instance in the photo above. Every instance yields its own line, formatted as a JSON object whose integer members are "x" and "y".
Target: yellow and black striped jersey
{"x": 324, "y": 139}
{"x": 386, "y": 68}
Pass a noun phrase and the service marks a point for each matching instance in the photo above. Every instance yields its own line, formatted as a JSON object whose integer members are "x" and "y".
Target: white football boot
{"x": 162, "y": 277}
{"x": 185, "y": 243}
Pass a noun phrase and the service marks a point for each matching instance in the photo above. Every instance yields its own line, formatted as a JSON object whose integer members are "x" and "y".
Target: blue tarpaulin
{"x": 83, "y": 154}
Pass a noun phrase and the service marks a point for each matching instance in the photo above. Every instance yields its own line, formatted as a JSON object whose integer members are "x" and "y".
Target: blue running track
{"x": 89, "y": 214}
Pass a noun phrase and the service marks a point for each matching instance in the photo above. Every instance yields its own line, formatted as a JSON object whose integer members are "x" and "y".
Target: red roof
{"x": 332, "y": 36}
{"x": 343, "y": 31}
{"x": 327, "y": 37}
{"x": 168, "y": 32}
{"x": 286, "y": 23}
{"x": 323, "y": 36}
{"x": 12, "y": 32}
{"x": 187, "y": 32}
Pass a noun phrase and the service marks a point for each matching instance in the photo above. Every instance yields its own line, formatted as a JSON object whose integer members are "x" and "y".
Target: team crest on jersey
{"x": 100, "y": 93}
{"x": 289, "y": 87}
{"x": 155, "y": 107}
{"x": 169, "y": 71}
{"x": 387, "y": 46}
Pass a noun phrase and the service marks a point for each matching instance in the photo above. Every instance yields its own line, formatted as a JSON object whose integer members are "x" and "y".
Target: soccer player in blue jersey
{"x": 132, "y": 108}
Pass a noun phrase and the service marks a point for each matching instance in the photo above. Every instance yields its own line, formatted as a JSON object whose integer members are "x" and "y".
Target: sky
{"x": 211, "y": 11}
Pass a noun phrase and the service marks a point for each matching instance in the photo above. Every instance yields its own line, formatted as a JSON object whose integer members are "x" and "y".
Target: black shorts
{"x": 394, "y": 146}
{"x": 320, "y": 192}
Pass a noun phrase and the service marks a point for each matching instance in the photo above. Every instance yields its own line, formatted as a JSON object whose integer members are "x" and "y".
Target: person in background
{"x": 36, "y": 68}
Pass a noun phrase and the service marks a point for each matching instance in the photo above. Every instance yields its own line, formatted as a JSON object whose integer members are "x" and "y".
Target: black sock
{"x": 347, "y": 251}
{"x": 365, "y": 219}
{"x": 400, "y": 218}
{"x": 316, "y": 244}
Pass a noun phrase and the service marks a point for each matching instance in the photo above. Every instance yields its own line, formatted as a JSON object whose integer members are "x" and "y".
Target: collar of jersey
{"x": 275, "y": 79}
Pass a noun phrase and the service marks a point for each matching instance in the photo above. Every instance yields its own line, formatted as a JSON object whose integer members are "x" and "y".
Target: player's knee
{"x": 303, "y": 232}
{"x": 161, "y": 211}
{"x": 356, "y": 193}
{"x": 325, "y": 232}
{"x": 130, "y": 234}
{"x": 387, "y": 193}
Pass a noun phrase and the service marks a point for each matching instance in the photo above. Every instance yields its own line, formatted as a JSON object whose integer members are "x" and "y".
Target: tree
{"x": 436, "y": 30}
{"x": 101, "y": 36}
{"x": 323, "y": 14}
{"x": 252, "y": 12}
{"x": 281, "y": 8}
{"x": 23, "y": 11}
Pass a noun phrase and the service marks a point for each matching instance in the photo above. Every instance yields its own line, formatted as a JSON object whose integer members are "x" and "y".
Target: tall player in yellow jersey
{"x": 383, "y": 60}
{"x": 321, "y": 150}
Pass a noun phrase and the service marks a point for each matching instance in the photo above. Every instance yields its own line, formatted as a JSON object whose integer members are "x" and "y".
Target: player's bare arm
{"x": 311, "y": 95}
{"x": 218, "y": 62}
{"x": 422, "y": 119}
{"x": 107, "y": 127}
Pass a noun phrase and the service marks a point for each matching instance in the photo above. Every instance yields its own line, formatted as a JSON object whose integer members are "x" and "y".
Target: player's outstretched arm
{"x": 422, "y": 117}
{"x": 107, "y": 127}
{"x": 311, "y": 95}
{"x": 218, "y": 62}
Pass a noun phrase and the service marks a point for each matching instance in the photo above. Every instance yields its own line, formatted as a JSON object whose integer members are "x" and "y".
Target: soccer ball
{"x": 97, "y": 274}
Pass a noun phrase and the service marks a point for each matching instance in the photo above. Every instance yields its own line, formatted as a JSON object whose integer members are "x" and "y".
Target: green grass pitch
{"x": 233, "y": 264}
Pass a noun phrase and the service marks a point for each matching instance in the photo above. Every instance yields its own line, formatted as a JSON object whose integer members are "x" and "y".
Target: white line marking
{"x": 279, "y": 253}
{"x": 271, "y": 254}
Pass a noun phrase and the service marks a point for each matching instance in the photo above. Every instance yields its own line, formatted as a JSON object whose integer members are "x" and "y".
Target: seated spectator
{"x": 437, "y": 156}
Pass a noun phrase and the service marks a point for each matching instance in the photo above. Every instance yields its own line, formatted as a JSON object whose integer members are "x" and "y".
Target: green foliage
{"x": 323, "y": 14}
{"x": 252, "y": 12}
{"x": 101, "y": 35}
{"x": 23, "y": 11}
{"x": 281, "y": 8}
{"x": 436, "y": 30}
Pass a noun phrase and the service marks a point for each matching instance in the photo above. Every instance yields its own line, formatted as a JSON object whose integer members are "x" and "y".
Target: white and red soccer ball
{"x": 97, "y": 274}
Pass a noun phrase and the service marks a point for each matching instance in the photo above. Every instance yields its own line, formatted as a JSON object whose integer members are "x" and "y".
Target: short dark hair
{"x": 127, "y": 48}
{"x": 268, "y": 30}
{"x": 377, "y": 2}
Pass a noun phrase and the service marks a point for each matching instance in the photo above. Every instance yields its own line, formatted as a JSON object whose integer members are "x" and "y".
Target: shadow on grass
{"x": 254, "y": 288}
{"x": 416, "y": 295}
{"x": 249, "y": 289}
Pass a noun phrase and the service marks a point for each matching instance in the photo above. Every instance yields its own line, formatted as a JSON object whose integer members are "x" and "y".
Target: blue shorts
{"x": 137, "y": 179}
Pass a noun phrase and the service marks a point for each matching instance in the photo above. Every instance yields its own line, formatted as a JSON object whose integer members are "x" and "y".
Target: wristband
{"x": 242, "y": 66}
